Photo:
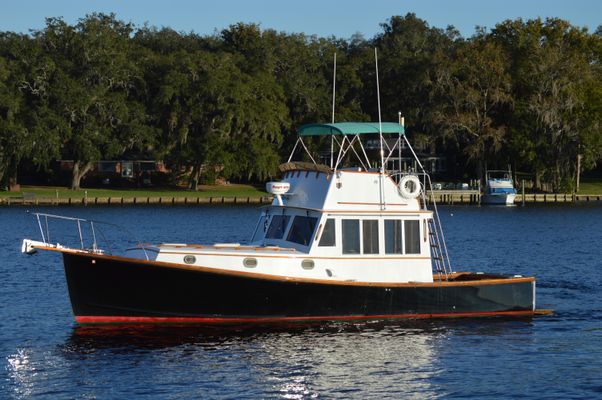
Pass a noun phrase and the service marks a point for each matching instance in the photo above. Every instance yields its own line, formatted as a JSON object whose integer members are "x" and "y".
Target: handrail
{"x": 93, "y": 228}
{"x": 438, "y": 227}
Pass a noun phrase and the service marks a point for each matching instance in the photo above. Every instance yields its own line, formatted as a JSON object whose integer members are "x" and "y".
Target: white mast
{"x": 334, "y": 87}
{"x": 380, "y": 131}
{"x": 401, "y": 122}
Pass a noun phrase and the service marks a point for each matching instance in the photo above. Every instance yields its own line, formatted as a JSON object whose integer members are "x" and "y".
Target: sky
{"x": 323, "y": 18}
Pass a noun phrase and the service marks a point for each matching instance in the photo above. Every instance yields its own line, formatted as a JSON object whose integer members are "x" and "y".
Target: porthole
{"x": 307, "y": 264}
{"x": 249, "y": 262}
{"x": 189, "y": 259}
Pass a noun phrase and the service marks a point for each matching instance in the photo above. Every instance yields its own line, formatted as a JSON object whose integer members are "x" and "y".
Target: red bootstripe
{"x": 221, "y": 320}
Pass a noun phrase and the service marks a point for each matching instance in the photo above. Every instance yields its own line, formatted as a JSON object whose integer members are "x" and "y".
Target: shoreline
{"x": 440, "y": 197}
{"x": 147, "y": 200}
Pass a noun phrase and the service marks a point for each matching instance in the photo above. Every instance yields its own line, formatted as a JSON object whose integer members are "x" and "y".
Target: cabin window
{"x": 351, "y": 236}
{"x": 412, "y": 237}
{"x": 370, "y": 236}
{"x": 328, "y": 236}
{"x": 277, "y": 226}
{"x": 393, "y": 236}
{"x": 302, "y": 230}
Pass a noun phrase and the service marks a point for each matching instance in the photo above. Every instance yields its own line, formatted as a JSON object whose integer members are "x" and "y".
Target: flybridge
{"x": 381, "y": 185}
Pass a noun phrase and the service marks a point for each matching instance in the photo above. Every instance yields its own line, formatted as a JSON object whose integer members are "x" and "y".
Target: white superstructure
{"x": 358, "y": 224}
{"x": 331, "y": 226}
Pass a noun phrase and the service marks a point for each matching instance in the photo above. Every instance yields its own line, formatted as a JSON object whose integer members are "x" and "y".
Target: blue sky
{"x": 320, "y": 17}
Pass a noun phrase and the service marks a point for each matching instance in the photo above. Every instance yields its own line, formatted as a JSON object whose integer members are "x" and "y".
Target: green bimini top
{"x": 350, "y": 128}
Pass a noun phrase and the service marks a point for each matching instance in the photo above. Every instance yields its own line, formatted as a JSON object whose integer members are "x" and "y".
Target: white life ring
{"x": 409, "y": 186}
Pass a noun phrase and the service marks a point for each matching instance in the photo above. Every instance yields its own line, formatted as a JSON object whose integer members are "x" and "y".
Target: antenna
{"x": 380, "y": 123}
{"x": 334, "y": 89}
{"x": 334, "y": 84}
{"x": 401, "y": 122}
{"x": 380, "y": 131}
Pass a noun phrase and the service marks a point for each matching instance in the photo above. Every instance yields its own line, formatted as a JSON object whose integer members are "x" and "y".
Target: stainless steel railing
{"x": 94, "y": 229}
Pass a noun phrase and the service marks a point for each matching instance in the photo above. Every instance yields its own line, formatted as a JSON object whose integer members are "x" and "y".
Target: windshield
{"x": 302, "y": 230}
{"x": 277, "y": 227}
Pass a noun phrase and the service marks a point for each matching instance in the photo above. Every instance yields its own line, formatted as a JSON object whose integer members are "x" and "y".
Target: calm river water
{"x": 44, "y": 355}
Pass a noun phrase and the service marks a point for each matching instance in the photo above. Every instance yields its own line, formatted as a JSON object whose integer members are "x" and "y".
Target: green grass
{"x": 590, "y": 186}
{"x": 231, "y": 190}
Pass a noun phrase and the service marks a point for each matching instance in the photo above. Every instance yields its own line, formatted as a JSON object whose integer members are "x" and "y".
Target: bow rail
{"x": 93, "y": 226}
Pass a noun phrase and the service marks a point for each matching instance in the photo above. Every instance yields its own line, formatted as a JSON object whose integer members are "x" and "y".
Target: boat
{"x": 499, "y": 188}
{"x": 338, "y": 242}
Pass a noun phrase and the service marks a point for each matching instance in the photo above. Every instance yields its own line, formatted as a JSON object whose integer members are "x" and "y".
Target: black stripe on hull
{"x": 108, "y": 287}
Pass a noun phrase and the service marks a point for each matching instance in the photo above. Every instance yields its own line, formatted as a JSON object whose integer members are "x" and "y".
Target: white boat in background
{"x": 499, "y": 188}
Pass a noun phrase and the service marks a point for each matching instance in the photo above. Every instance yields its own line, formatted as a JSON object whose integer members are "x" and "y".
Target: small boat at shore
{"x": 499, "y": 188}
{"x": 338, "y": 242}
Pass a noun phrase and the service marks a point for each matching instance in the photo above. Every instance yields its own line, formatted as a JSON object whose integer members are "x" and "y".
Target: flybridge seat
{"x": 304, "y": 166}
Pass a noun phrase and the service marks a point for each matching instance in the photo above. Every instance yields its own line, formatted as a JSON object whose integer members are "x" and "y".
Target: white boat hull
{"x": 499, "y": 199}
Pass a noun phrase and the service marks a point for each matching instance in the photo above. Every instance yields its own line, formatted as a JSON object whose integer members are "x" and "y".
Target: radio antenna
{"x": 380, "y": 131}
{"x": 334, "y": 90}
{"x": 334, "y": 84}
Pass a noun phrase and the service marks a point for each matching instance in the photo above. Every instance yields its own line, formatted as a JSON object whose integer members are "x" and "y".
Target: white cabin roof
{"x": 347, "y": 190}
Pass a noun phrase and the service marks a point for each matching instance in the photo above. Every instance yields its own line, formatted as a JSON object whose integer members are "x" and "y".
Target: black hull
{"x": 107, "y": 289}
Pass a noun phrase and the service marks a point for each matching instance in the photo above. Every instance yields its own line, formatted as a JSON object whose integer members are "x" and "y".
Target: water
{"x": 44, "y": 355}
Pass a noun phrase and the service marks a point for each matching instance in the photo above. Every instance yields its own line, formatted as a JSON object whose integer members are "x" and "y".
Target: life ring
{"x": 409, "y": 186}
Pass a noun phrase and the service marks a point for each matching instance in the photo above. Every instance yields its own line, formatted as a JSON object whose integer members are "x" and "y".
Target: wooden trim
{"x": 242, "y": 247}
{"x": 372, "y": 204}
{"x": 301, "y": 256}
{"x": 253, "y": 275}
{"x": 360, "y": 212}
{"x": 351, "y": 171}
{"x": 90, "y": 319}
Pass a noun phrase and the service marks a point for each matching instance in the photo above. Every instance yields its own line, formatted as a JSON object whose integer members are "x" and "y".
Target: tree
{"x": 410, "y": 55}
{"x": 91, "y": 89}
{"x": 27, "y": 131}
{"x": 552, "y": 79}
{"x": 477, "y": 88}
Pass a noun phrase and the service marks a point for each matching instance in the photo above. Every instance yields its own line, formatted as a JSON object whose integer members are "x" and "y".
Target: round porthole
{"x": 307, "y": 264}
{"x": 249, "y": 262}
{"x": 189, "y": 259}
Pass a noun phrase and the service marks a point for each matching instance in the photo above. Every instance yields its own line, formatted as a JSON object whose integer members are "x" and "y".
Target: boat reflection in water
{"x": 295, "y": 361}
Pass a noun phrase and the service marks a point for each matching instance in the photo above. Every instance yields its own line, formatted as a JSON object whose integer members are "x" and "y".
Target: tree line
{"x": 525, "y": 93}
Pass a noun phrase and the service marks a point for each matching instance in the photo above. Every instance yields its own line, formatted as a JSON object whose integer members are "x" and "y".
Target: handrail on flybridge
{"x": 94, "y": 228}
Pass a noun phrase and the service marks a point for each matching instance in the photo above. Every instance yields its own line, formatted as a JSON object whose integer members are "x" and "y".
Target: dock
{"x": 158, "y": 200}
{"x": 474, "y": 197}
{"x": 447, "y": 197}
